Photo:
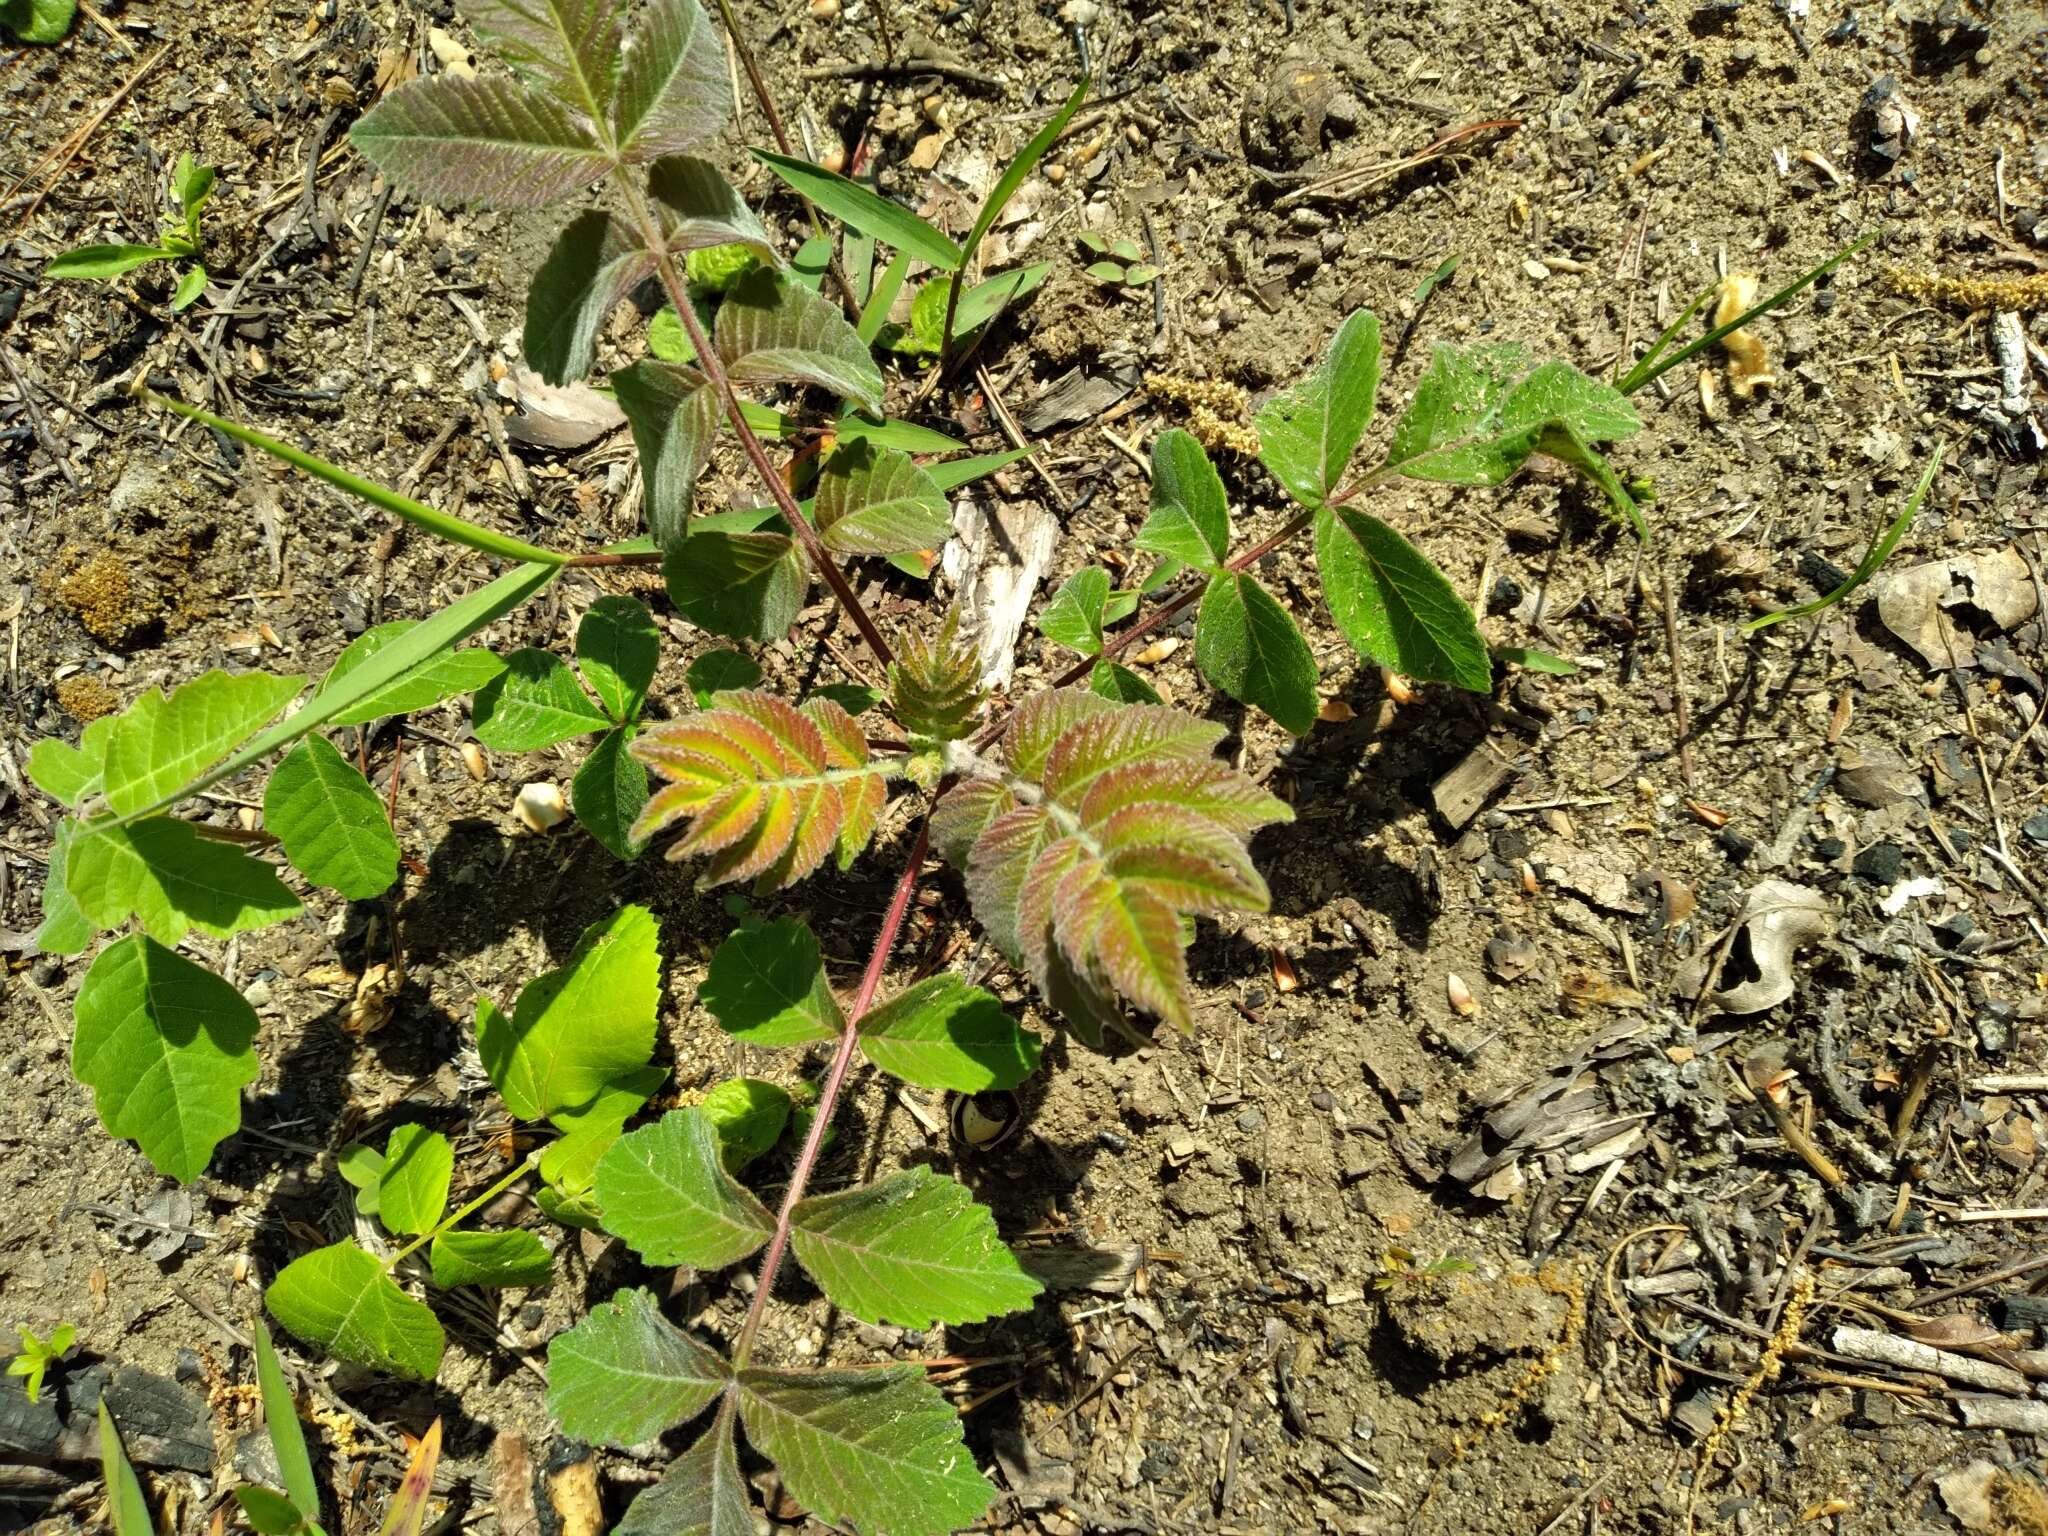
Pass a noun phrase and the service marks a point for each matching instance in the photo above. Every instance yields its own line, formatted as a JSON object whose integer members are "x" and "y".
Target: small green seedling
{"x": 37, "y": 21}
{"x": 191, "y": 186}
{"x": 38, "y": 1355}
{"x": 1873, "y": 558}
{"x": 1118, "y": 263}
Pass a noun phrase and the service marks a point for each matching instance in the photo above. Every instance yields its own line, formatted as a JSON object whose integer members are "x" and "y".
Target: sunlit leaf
{"x": 1074, "y": 616}
{"x": 412, "y": 1501}
{"x": 766, "y": 985}
{"x": 343, "y": 1301}
{"x": 773, "y": 330}
{"x": 699, "y": 209}
{"x": 749, "y": 1114}
{"x": 943, "y": 1033}
{"x": 126, "y": 1505}
{"x": 673, "y": 89}
{"x": 1190, "y": 516}
{"x": 172, "y": 880}
{"x": 497, "y": 1259}
{"x": 876, "y": 501}
{"x": 665, "y": 1191}
{"x": 446, "y": 674}
{"x": 452, "y": 140}
{"x": 103, "y": 261}
{"x": 626, "y": 1373}
{"x": 165, "y": 1045}
{"x": 412, "y": 1190}
{"x": 161, "y": 744}
{"x": 1248, "y": 645}
{"x": 568, "y": 48}
{"x": 330, "y": 821}
{"x": 594, "y": 263}
{"x": 864, "y": 210}
{"x": 535, "y": 702}
{"x": 64, "y": 930}
{"x": 1115, "y": 681}
{"x": 68, "y": 774}
{"x": 1308, "y": 433}
{"x": 287, "y": 1437}
{"x": 1395, "y": 606}
{"x": 674, "y": 417}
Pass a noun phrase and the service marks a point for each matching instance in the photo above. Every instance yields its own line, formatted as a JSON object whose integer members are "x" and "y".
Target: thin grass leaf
{"x": 1873, "y": 558}
{"x": 410, "y": 1505}
{"x": 1535, "y": 661}
{"x": 874, "y": 313}
{"x": 862, "y": 209}
{"x": 1014, "y": 173}
{"x": 126, "y": 1504}
{"x": 287, "y": 1437}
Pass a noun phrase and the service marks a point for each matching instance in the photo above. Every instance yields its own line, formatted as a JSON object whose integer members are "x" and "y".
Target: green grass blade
{"x": 287, "y": 1438}
{"x": 876, "y": 313}
{"x": 1670, "y": 334}
{"x": 1874, "y": 557}
{"x": 446, "y": 629}
{"x": 861, "y": 209}
{"x": 440, "y": 524}
{"x": 125, "y": 1499}
{"x": 1648, "y": 369}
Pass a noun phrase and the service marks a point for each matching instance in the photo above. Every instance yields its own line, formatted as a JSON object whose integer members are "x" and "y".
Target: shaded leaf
{"x": 766, "y": 985}
{"x": 876, "y": 501}
{"x": 446, "y": 674}
{"x": 489, "y": 141}
{"x": 412, "y": 1189}
{"x": 609, "y": 792}
{"x": 699, "y": 209}
{"x": 568, "y": 1167}
{"x": 165, "y": 1045}
{"x": 343, "y": 1301}
{"x": 943, "y": 1033}
{"x": 1395, "y": 606}
{"x": 720, "y": 672}
{"x": 332, "y": 825}
{"x": 673, "y": 89}
{"x": 879, "y": 1449}
{"x": 1115, "y": 681}
{"x": 269, "y": 1513}
{"x": 1251, "y": 648}
{"x": 750, "y": 1115}
{"x": 773, "y": 330}
{"x": 673, "y": 414}
{"x": 64, "y": 929}
{"x": 160, "y": 745}
{"x": 534, "y": 703}
{"x": 617, "y": 649}
{"x": 700, "y": 1494}
{"x": 362, "y": 1166}
{"x": 1190, "y": 516}
{"x": 515, "y": 1258}
{"x": 665, "y": 1191}
{"x": 744, "y": 586}
{"x": 594, "y": 263}
{"x": 977, "y": 307}
{"x": 1074, "y": 617}
{"x": 190, "y": 287}
{"x": 1308, "y": 433}
{"x": 172, "y": 880}
{"x": 864, "y": 210}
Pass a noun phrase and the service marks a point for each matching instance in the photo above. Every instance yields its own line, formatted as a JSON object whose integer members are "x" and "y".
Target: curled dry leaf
{"x": 1778, "y": 919}
{"x": 1916, "y": 604}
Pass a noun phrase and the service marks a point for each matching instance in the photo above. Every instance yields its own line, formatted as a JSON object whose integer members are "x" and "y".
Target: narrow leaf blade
{"x": 125, "y": 1500}
{"x": 864, "y": 210}
{"x": 287, "y": 1436}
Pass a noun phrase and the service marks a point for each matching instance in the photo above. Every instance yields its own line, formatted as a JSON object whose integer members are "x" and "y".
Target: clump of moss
{"x": 100, "y": 591}
{"x": 85, "y": 698}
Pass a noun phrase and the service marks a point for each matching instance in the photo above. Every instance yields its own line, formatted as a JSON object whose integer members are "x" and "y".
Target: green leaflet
{"x": 744, "y": 586}
{"x": 700, "y": 1494}
{"x": 1074, "y": 616}
{"x": 67, "y": 774}
{"x": 569, "y": 1165}
{"x": 38, "y": 21}
{"x": 104, "y": 261}
{"x": 912, "y": 1249}
{"x": 664, "y": 1189}
{"x": 173, "y": 880}
{"x": 773, "y": 330}
{"x": 609, "y": 792}
{"x": 64, "y": 929}
{"x": 767, "y": 986}
{"x": 673, "y": 90}
{"x": 580, "y": 1030}
{"x": 162, "y": 744}
{"x": 617, "y": 649}
{"x": 1119, "y": 684}
{"x": 625, "y": 1373}
{"x": 943, "y": 1033}
{"x": 673, "y": 414}
{"x": 594, "y": 263}
{"x": 125, "y": 1500}
{"x": 878, "y": 1449}
{"x": 1395, "y": 606}
{"x": 330, "y": 821}
{"x": 165, "y": 1046}
{"x": 487, "y": 140}
{"x": 268, "y": 1512}
{"x": 534, "y": 703}
{"x": 515, "y": 1258}
{"x": 720, "y": 672}
{"x": 703, "y": 215}
{"x": 445, "y": 675}
{"x": 876, "y": 501}
{"x": 1190, "y": 516}
{"x": 412, "y": 1189}
{"x": 1251, "y": 648}
{"x": 749, "y": 1114}
{"x": 341, "y": 1299}
{"x": 1307, "y": 434}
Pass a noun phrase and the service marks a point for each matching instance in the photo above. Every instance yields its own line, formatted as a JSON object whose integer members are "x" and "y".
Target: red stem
{"x": 828, "y": 1094}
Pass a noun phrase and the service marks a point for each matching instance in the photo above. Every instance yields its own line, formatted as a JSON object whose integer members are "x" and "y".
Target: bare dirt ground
{"x": 1280, "y": 1349}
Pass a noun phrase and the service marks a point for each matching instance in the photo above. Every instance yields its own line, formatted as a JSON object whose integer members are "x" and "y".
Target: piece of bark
{"x": 2026, "y": 1416}
{"x": 997, "y": 556}
{"x": 1907, "y": 1355}
{"x": 1478, "y": 776}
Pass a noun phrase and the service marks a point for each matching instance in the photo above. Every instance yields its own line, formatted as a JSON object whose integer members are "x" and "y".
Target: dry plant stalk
{"x": 1219, "y": 413}
{"x": 1749, "y": 370}
{"x": 1768, "y": 1366}
{"x": 1973, "y": 293}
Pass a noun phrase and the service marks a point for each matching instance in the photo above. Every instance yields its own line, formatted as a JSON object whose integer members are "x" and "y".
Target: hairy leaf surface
{"x": 1395, "y": 606}
{"x": 1074, "y": 616}
{"x": 1248, "y": 645}
{"x": 674, "y": 417}
{"x": 626, "y": 1373}
{"x": 943, "y": 1033}
{"x": 568, "y": 48}
{"x": 665, "y": 1191}
{"x": 876, "y": 501}
{"x": 495, "y": 1259}
{"x": 594, "y": 263}
{"x": 773, "y": 330}
{"x": 912, "y": 1249}
{"x": 165, "y": 1046}
{"x": 490, "y": 141}
{"x": 767, "y": 789}
{"x": 699, "y": 208}
{"x": 881, "y": 1450}
{"x": 744, "y": 586}
{"x": 1308, "y": 433}
{"x": 700, "y": 1494}
{"x": 673, "y": 89}
{"x": 330, "y": 821}
{"x": 341, "y": 1299}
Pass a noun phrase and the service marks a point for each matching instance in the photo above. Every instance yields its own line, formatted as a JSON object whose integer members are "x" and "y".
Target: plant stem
{"x": 828, "y": 1094}
{"x": 714, "y": 372}
{"x": 457, "y": 1218}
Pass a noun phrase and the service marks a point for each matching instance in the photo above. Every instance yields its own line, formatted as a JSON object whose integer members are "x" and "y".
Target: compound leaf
{"x": 412, "y": 1189}
{"x": 172, "y": 879}
{"x": 744, "y": 586}
{"x": 1307, "y": 434}
{"x": 594, "y": 263}
{"x": 881, "y": 1450}
{"x": 162, "y": 744}
{"x": 626, "y": 1373}
{"x": 165, "y": 1046}
{"x": 773, "y": 330}
{"x": 617, "y": 648}
{"x": 943, "y": 1033}
{"x": 1251, "y": 648}
{"x": 444, "y": 675}
{"x": 876, "y": 501}
{"x": 1396, "y": 607}
{"x": 1190, "y": 516}
{"x": 664, "y": 1189}
{"x": 701, "y": 1494}
{"x": 515, "y": 1258}
{"x": 344, "y": 1301}
{"x": 578, "y": 1031}
{"x": 330, "y": 821}
{"x": 490, "y": 141}
{"x": 768, "y": 789}
{"x": 609, "y": 792}
{"x": 534, "y": 703}
{"x": 913, "y": 1249}
{"x": 673, "y": 90}
{"x": 766, "y": 986}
